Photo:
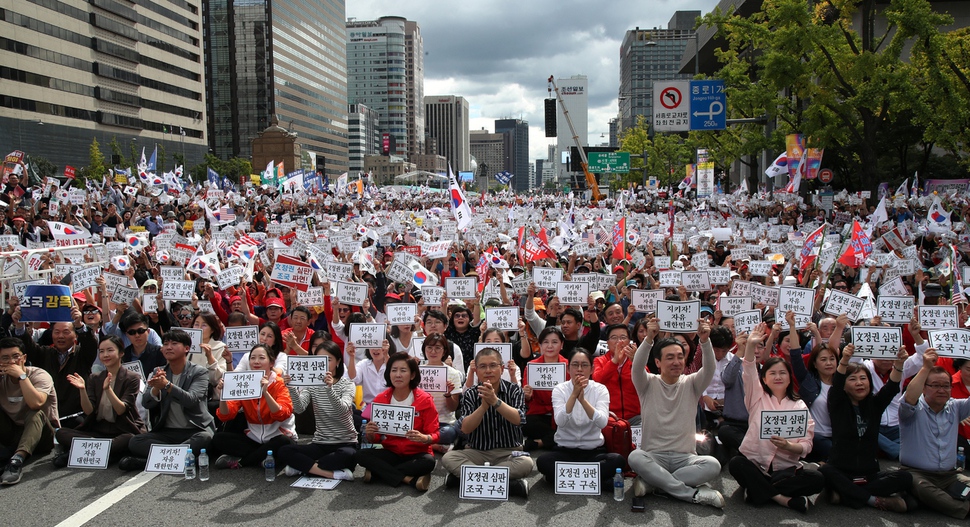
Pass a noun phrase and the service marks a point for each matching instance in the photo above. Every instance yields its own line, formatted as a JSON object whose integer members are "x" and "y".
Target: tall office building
{"x": 518, "y": 132}
{"x": 277, "y": 58}
{"x": 365, "y": 135}
{"x": 446, "y": 120}
{"x": 385, "y": 72}
{"x": 575, "y": 97}
{"x": 648, "y": 55}
{"x": 74, "y": 71}
{"x": 492, "y": 151}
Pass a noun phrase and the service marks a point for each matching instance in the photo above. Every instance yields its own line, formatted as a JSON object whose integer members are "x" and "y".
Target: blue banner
{"x": 504, "y": 177}
{"x": 46, "y": 303}
{"x": 213, "y": 177}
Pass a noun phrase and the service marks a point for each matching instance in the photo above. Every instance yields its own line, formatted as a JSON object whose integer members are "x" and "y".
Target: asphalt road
{"x": 48, "y": 497}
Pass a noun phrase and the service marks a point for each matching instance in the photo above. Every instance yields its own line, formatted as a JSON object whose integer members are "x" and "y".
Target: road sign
{"x": 671, "y": 109}
{"x": 825, "y": 175}
{"x": 708, "y": 105}
{"x": 609, "y": 162}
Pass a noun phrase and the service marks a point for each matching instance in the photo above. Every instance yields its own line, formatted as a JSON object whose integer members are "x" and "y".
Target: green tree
{"x": 160, "y": 162}
{"x": 96, "y": 169}
{"x": 667, "y": 154}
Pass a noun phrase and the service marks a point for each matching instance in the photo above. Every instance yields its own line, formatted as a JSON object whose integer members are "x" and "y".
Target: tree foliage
{"x": 667, "y": 154}
{"x": 96, "y": 169}
{"x": 236, "y": 168}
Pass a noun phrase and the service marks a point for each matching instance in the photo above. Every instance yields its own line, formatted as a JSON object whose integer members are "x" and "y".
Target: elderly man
{"x": 29, "y": 410}
{"x": 928, "y": 423}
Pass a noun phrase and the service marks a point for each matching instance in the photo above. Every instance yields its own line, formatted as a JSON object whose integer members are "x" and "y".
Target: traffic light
{"x": 550, "y": 118}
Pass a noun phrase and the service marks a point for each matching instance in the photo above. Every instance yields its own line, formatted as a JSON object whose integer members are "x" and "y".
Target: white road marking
{"x": 104, "y": 502}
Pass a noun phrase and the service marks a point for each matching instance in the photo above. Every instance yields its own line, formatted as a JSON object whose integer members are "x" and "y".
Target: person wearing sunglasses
{"x": 28, "y": 410}
{"x": 135, "y": 328}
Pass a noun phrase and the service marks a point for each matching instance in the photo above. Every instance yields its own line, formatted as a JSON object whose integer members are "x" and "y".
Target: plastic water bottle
{"x": 487, "y": 463}
{"x": 189, "y": 464}
{"x": 203, "y": 466}
{"x": 270, "y": 465}
{"x": 961, "y": 459}
{"x": 618, "y": 486}
{"x": 363, "y": 435}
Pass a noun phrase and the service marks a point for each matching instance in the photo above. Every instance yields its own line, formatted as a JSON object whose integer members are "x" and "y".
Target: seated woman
{"x": 581, "y": 407}
{"x": 269, "y": 335}
{"x": 269, "y": 418}
{"x": 408, "y": 458}
{"x": 369, "y": 373}
{"x": 768, "y": 469}
{"x": 852, "y": 473}
{"x": 331, "y": 452}
{"x": 212, "y": 346}
{"x": 436, "y": 348}
{"x": 539, "y": 427}
{"x": 108, "y": 401}
{"x": 814, "y": 383}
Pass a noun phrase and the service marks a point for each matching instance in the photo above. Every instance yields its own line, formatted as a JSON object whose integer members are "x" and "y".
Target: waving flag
{"x": 121, "y": 263}
{"x": 619, "y": 239}
{"x": 422, "y": 276}
{"x": 809, "y": 252}
{"x": 915, "y": 190}
{"x": 151, "y": 161}
{"x": 136, "y": 242}
{"x": 143, "y": 164}
{"x": 859, "y": 248}
{"x": 903, "y": 189}
{"x": 688, "y": 181}
{"x": 503, "y": 177}
{"x": 463, "y": 213}
{"x": 937, "y": 218}
{"x": 213, "y": 177}
{"x": 779, "y": 166}
{"x": 227, "y": 214}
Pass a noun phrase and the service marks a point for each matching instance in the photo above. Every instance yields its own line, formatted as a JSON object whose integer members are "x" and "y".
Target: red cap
{"x": 278, "y": 302}
{"x": 234, "y": 298}
{"x": 18, "y": 218}
{"x": 618, "y": 269}
{"x": 392, "y": 296}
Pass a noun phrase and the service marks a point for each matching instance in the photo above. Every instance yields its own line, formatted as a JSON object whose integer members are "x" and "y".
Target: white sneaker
{"x": 709, "y": 496}
{"x": 640, "y": 487}
{"x": 343, "y": 475}
{"x": 290, "y": 471}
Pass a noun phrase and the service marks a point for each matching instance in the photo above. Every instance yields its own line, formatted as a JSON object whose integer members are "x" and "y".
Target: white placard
{"x": 351, "y": 294}
{"x": 696, "y": 280}
{"x": 661, "y": 262}
{"x": 670, "y": 279}
{"x": 545, "y": 375}
{"x": 196, "y": 336}
{"x": 313, "y": 296}
{"x": 149, "y": 303}
{"x": 230, "y": 277}
{"x": 85, "y": 278}
{"x": 503, "y": 318}
{"x": 573, "y": 293}
{"x": 315, "y": 483}
{"x": 678, "y": 317}
{"x": 205, "y": 307}
{"x": 840, "y": 302}
{"x": 740, "y": 288}
{"x": 547, "y": 277}
{"x": 893, "y": 287}
{"x": 338, "y": 271}
{"x": 367, "y": 336}
{"x": 787, "y": 424}
{"x": 432, "y": 295}
{"x": 434, "y": 379}
{"x": 484, "y": 483}
{"x": 504, "y": 348}
{"x": 178, "y": 290}
{"x": 719, "y": 275}
{"x": 20, "y": 288}
{"x": 798, "y": 299}
{"x": 241, "y": 385}
{"x": 307, "y": 370}
{"x": 134, "y": 366}
{"x": 636, "y": 433}
{"x": 578, "y": 478}
{"x": 461, "y": 288}
{"x": 746, "y": 321}
{"x": 875, "y": 342}
{"x": 393, "y": 420}
{"x": 89, "y": 453}
{"x": 399, "y": 272}
{"x": 167, "y": 459}
{"x": 760, "y": 268}
{"x": 953, "y": 343}
{"x": 242, "y": 338}
{"x": 938, "y": 317}
{"x": 126, "y": 295}
{"x": 895, "y": 309}
{"x": 763, "y": 294}
{"x": 171, "y": 272}
{"x": 645, "y": 300}
{"x": 400, "y": 314}
{"x": 732, "y": 305}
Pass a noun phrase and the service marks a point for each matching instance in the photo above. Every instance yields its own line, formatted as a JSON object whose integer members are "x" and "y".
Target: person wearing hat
{"x": 97, "y": 223}
{"x": 720, "y": 256}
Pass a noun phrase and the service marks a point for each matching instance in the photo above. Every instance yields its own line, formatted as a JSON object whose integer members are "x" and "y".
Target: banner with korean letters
{"x": 843, "y": 303}
{"x": 678, "y": 317}
{"x": 938, "y": 317}
{"x": 954, "y": 343}
{"x": 876, "y": 342}
{"x": 895, "y": 309}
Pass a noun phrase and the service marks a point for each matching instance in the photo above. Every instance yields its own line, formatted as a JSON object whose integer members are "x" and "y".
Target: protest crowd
{"x": 661, "y": 337}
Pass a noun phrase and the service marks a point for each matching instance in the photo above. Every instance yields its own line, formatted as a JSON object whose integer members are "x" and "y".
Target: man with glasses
{"x": 29, "y": 404}
{"x": 613, "y": 370}
{"x": 928, "y": 422}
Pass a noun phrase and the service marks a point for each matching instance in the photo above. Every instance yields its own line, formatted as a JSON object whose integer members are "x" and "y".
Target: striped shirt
{"x": 494, "y": 431}
{"x": 332, "y": 410}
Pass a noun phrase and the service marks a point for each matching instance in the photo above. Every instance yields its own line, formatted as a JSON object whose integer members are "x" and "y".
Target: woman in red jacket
{"x": 269, "y": 418}
{"x": 406, "y": 456}
{"x": 539, "y": 427}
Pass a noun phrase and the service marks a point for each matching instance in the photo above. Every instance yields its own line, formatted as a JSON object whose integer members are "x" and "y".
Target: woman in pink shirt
{"x": 769, "y": 469}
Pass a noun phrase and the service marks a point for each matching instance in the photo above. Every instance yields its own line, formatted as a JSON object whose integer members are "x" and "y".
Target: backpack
{"x": 618, "y": 437}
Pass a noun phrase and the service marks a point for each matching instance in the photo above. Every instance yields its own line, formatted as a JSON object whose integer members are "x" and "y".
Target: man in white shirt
{"x": 722, "y": 341}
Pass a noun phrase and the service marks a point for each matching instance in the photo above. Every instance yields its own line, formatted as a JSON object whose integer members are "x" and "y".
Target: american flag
{"x": 958, "y": 296}
{"x": 242, "y": 241}
{"x": 227, "y": 214}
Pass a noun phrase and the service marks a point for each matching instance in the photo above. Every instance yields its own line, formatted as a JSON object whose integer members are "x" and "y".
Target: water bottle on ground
{"x": 189, "y": 464}
{"x": 270, "y": 465}
{"x": 618, "y": 486}
{"x": 363, "y": 435}
{"x": 203, "y": 466}
{"x": 961, "y": 459}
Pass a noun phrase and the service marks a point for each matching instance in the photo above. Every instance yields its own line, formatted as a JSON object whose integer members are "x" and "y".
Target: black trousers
{"x": 332, "y": 457}
{"x": 539, "y": 428}
{"x": 731, "y": 433}
{"x": 857, "y": 495}
{"x": 250, "y": 452}
{"x": 101, "y": 430}
{"x": 393, "y": 468}
{"x": 546, "y": 463}
{"x": 762, "y": 488}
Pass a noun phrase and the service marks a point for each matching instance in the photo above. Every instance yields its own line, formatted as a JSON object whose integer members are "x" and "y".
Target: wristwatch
{"x": 22, "y": 378}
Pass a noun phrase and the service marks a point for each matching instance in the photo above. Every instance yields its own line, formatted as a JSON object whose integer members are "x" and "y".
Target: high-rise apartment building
{"x": 74, "y": 71}
{"x": 648, "y": 55}
{"x": 365, "y": 135}
{"x": 278, "y": 58}
{"x": 446, "y": 120}
{"x": 385, "y": 72}
{"x": 518, "y": 132}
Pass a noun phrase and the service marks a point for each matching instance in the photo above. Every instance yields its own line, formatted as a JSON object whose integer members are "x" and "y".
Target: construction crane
{"x": 583, "y": 162}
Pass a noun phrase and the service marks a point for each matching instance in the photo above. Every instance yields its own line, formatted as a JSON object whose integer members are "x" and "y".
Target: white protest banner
{"x": 760, "y": 268}
{"x": 762, "y": 294}
{"x": 20, "y": 288}
{"x": 746, "y": 321}
{"x": 876, "y": 342}
{"x": 700, "y": 261}
{"x": 645, "y": 300}
{"x": 661, "y": 262}
{"x": 89, "y": 453}
{"x": 315, "y": 483}
{"x": 670, "y": 279}
{"x": 582, "y": 479}
{"x": 696, "y": 281}
{"x": 393, "y": 420}
{"x": 678, "y": 317}
{"x": 434, "y": 379}
{"x": 114, "y": 281}
{"x": 167, "y": 459}
{"x": 893, "y": 287}
{"x": 352, "y": 294}
{"x": 432, "y": 295}
{"x": 740, "y": 288}
{"x": 732, "y": 305}
{"x": 461, "y": 288}
{"x": 126, "y": 295}
{"x": 504, "y": 348}
{"x": 636, "y": 433}
{"x": 242, "y": 338}
{"x": 205, "y": 307}
{"x": 938, "y": 317}
{"x": 787, "y": 424}
{"x": 503, "y": 318}
{"x": 178, "y": 290}
{"x": 435, "y": 250}
{"x": 85, "y": 278}
{"x": 172, "y": 272}
{"x": 291, "y": 272}
{"x": 339, "y": 272}
{"x": 602, "y": 282}
{"x": 840, "y": 302}
{"x": 313, "y": 296}
{"x": 719, "y": 275}
{"x": 545, "y": 375}
{"x": 241, "y": 385}
{"x": 401, "y": 314}
{"x": 149, "y": 303}
{"x": 196, "y": 336}
{"x": 307, "y": 370}
{"x": 367, "y": 336}
{"x": 230, "y": 277}
{"x": 895, "y": 309}
{"x": 399, "y": 272}
{"x": 63, "y": 270}
{"x": 134, "y": 366}
{"x": 547, "y": 277}
{"x": 953, "y": 343}
{"x": 797, "y": 299}
{"x": 484, "y": 483}
{"x": 573, "y": 293}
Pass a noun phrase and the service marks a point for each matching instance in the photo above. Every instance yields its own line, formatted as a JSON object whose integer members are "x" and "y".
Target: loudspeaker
{"x": 550, "y": 118}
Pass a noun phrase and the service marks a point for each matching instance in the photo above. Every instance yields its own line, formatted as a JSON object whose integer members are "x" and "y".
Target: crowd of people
{"x": 702, "y": 382}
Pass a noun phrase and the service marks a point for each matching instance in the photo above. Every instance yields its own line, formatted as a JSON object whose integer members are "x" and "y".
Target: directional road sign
{"x": 708, "y": 105}
{"x": 609, "y": 162}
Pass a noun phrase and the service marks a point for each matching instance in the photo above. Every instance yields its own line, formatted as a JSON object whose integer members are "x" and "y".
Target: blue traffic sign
{"x": 708, "y": 105}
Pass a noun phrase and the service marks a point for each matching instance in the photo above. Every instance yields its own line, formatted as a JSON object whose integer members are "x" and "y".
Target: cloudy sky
{"x": 499, "y": 53}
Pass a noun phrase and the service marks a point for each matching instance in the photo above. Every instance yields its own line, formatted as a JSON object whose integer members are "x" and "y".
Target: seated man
{"x": 176, "y": 401}
{"x": 928, "y": 423}
{"x": 667, "y": 459}
{"x": 29, "y": 414}
{"x": 492, "y": 417}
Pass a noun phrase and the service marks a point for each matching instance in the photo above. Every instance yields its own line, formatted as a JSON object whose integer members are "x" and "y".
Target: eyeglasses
{"x": 11, "y": 358}
{"x": 939, "y": 386}
{"x": 186, "y": 316}
{"x": 580, "y": 365}
{"x": 343, "y": 310}
{"x": 90, "y": 311}
{"x": 139, "y": 331}
{"x": 618, "y": 338}
{"x": 462, "y": 315}
{"x": 489, "y": 366}
{"x": 438, "y": 347}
